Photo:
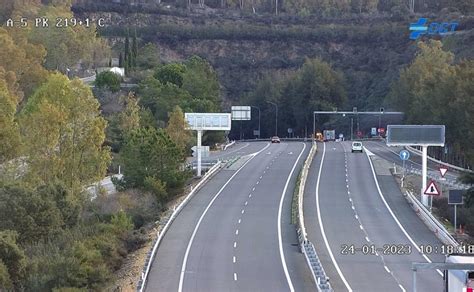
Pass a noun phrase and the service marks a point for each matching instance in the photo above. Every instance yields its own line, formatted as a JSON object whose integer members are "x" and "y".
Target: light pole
{"x": 258, "y": 119}
{"x": 352, "y": 127}
{"x": 276, "y": 116}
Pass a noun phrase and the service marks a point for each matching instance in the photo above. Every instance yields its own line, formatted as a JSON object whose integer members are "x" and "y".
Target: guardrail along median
{"x": 307, "y": 248}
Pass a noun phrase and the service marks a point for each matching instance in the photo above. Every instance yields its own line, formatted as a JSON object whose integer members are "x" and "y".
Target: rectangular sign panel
{"x": 208, "y": 121}
{"x": 455, "y": 197}
{"x": 240, "y": 113}
{"x": 404, "y": 135}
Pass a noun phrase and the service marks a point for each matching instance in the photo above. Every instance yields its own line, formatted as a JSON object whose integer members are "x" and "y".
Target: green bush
{"x": 108, "y": 80}
{"x": 5, "y": 281}
{"x": 157, "y": 187}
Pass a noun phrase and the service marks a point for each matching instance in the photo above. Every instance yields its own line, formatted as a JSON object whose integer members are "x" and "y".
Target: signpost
{"x": 404, "y": 156}
{"x": 417, "y": 135}
{"x": 373, "y": 131}
{"x": 206, "y": 122}
{"x": 455, "y": 198}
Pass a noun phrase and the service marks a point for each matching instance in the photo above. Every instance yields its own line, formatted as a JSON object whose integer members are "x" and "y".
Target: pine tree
{"x": 134, "y": 49}
{"x": 121, "y": 60}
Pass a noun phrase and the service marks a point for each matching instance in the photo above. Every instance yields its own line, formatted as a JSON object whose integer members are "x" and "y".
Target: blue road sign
{"x": 404, "y": 155}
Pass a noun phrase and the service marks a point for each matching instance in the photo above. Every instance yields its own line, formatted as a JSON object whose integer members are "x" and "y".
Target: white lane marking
{"x": 250, "y": 195}
{"x": 253, "y": 189}
{"x": 367, "y": 239}
{"x": 280, "y": 243}
{"x": 348, "y": 192}
{"x": 233, "y": 259}
{"x": 237, "y": 232}
{"x": 321, "y": 226}
{"x": 258, "y": 182}
{"x": 361, "y": 227}
{"x": 246, "y": 203}
{"x": 235, "y": 276}
{"x": 393, "y": 215}
{"x": 243, "y": 211}
{"x": 235, "y": 244}
{"x": 357, "y": 217}
{"x": 386, "y": 269}
{"x": 353, "y": 208}
{"x": 227, "y": 153}
{"x": 401, "y": 287}
{"x": 188, "y": 249}
{"x": 347, "y": 186}
{"x": 240, "y": 220}
{"x": 261, "y": 177}
{"x": 350, "y": 200}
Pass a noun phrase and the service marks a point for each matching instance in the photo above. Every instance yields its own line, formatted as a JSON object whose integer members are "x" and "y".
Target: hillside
{"x": 369, "y": 49}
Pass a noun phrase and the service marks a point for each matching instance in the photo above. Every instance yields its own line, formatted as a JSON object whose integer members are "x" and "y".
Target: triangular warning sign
{"x": 443, "y": 171}
{"x": 432, "y": 189}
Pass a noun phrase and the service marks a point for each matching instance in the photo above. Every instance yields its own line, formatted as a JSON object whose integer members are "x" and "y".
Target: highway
{"x": 344, "y": 208}
{"x": 236, "y": 234}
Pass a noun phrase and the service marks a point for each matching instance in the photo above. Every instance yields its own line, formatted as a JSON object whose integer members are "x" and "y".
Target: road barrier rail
{"x": 418, "y": 152}
{"x": 307, "y": 248}
{"x": 167, "y": 221}
{"x": 430, "y": 221}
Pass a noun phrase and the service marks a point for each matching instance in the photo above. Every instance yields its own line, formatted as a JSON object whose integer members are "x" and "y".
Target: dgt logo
{"x": 421, "y": 27}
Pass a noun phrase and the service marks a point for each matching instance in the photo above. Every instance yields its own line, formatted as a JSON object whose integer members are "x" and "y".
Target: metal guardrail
{"x": 307, "y": 248}
{"x": 451, "y": 183}
{"x": 168, "y": 220}
{"x": 416, "y": 151}
{"x": 430, "y": 221}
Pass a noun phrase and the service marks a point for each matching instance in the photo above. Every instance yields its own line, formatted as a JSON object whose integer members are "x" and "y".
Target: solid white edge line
{"x": 280, "y": 243}
{"x": 393, "y": 215}
{"x": 321, "y": 227}
{"x": 185, "y": 259}
{"x": 401, "y": 287}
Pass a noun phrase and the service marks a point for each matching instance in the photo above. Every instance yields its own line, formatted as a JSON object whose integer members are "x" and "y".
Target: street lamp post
{"x": 276, "y": 116}
{"x": 258, "y": 119}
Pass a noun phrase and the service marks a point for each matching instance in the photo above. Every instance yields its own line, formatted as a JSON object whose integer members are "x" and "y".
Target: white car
{"x": 357, "y": 146}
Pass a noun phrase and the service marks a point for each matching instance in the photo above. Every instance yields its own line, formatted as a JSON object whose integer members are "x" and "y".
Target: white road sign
{"x": 208, "y": 121}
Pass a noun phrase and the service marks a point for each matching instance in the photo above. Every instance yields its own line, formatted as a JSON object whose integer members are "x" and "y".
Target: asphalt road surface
{"x": 392, "y": 154}
{"x": 236, "y": 234}
{"x": 345, "y": 212}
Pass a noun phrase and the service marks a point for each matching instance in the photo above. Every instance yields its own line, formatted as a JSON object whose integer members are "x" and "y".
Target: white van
{"x": 357, "y": 146}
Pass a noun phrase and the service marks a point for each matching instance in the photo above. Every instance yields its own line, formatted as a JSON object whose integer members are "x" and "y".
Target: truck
{"x": 459, "y": 280}
{"x": 329, "y": 135}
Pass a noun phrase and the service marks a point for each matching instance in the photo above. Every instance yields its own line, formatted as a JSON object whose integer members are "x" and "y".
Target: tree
{"x": 108, "y": 80}
{"x": 121, "y": 60}
{"x": 9, "y": 131}
{"x": 63, "y": 120}
{"x": 5, "y": 281}
{"x": 171, "y": 73}
{"x": 21, "y": 62}
{"x": 176, "y": 129}
{"x": 33, "y": 215}
{"x": 134, "y": 49}
{"x": 150, "y": 153}
{"x": 148, "y": 57}
{"x": 66, "y": 45}
{"x": 12, "y": 256}
{"x": 200, "y": 80}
